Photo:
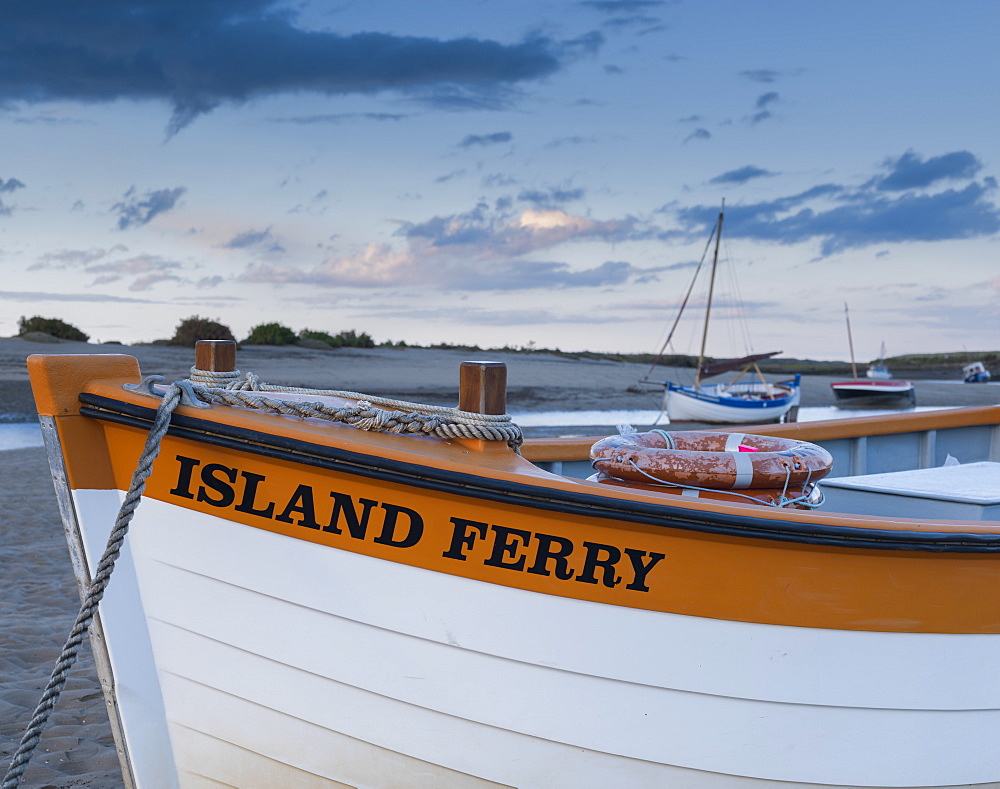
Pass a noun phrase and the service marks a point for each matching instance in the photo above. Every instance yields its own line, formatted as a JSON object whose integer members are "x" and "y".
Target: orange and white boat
{"x": 305, "y": 603}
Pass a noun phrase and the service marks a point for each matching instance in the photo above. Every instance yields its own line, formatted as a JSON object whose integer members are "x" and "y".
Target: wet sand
{"x": 38, "y": 604}
{"x": 38, "y": 596}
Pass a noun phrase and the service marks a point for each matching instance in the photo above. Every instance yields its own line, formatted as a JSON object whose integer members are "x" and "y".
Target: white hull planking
{"x": 281, "y": 662}
{"x": 684, "y": 408}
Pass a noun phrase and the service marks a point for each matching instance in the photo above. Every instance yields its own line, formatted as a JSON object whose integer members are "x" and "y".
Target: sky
{"x": 527, "y": 174}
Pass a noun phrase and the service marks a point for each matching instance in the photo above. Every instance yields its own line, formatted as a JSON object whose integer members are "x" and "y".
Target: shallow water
{"x": 20, "y": 435}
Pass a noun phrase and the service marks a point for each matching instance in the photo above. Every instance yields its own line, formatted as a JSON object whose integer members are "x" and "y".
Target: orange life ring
{"x": 804, "y": 498}
{"x": 711, "y": 459}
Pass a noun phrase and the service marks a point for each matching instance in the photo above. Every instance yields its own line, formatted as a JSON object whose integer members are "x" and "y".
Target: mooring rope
{"x": 405, "y": 417}
{"x": 95, "y": 591}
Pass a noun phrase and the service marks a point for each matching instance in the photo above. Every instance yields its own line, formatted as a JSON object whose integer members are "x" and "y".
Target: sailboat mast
{"x": 850, "y": 343}
{"x": 711, "y": 288}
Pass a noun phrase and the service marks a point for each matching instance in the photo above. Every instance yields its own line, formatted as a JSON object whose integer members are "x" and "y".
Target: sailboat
{"x": 877, "y": 392}
{"x": 737, "y": 402}
{"x": 878, "y": 369}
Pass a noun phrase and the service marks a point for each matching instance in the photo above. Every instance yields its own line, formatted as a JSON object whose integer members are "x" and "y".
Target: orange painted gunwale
{"x": 498, "y": 462}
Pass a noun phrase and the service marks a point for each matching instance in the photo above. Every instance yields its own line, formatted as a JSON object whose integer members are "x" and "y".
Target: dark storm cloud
{"x": 135, "y": 211}
{"x": 741, "y": 176}
{"x": 197, "y": 55}
{"x": 842, "y": 217}
{"x": 486, "y": 139}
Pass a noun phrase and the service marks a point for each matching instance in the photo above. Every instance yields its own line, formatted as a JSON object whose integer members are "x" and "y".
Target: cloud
{"x": 486, "y": 139}
{"x": 766, "y": 98}
{"x": 197, "y": 55}
{"x": 484, "y": 235}
{"x": 575, "y": 139}
{"x": 378, "y": 265}
{"x": 699, "y": 134}
{"x": 10, "y": 185}
{"x": 262, "y": 239}
{"x": 148, "y": 281}
{"x": 911, "y": 171}
{"x": 36, "y": 296}
{"x": 768, "y": 76}
{"x": 337, "y": 118}
{"x": 622, "y": 6}
{"x": 765, "y": 75}
{"x": 482, "y": 249}
{"x": 842, "y": 218}
{"x": 741, "y": 176}
{"x": 147, "y": 268}
{"x": 550, "y": 198}
{"x": 135, "y": 211}
{"x": 629, "y": 14}
{"x": 441, "y": 179}
{"x": 468, "y": 316}
{"x": 71, "y": 258}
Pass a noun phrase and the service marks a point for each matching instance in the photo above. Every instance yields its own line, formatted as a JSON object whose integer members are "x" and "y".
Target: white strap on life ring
{"x": 742, "y": 461}
{"x": 733, "y": 442}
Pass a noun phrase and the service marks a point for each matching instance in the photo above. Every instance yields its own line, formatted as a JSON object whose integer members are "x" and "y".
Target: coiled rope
{"x": 405, "y": 417}
{"x": 95, "y": 591}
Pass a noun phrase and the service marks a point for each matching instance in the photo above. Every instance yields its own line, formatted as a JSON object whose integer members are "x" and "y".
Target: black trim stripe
{"x": 524, "y": 494}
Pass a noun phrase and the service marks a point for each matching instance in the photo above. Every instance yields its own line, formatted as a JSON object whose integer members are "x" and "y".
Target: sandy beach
{"x": 38, "y": 596}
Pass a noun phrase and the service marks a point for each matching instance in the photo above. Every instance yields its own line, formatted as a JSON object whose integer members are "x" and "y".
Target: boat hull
{"x": 272, "y": 656}
{"x": 305, "y": 604}
{"x": 713, "y": 405}
{"x": 874, "y": 394}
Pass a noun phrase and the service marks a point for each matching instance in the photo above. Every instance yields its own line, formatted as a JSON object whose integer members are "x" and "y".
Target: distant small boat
{"x": 878, "y": 370}
{"x": 878, "y": 391}
{"x": 873, "y": 394}
{"x": 975, "y": 373}
{"x": 738, "y": 402}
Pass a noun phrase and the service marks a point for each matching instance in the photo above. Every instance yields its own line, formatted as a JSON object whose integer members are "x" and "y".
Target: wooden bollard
{"x": 482, "y": 387}
{"x": 217, "y": 356}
